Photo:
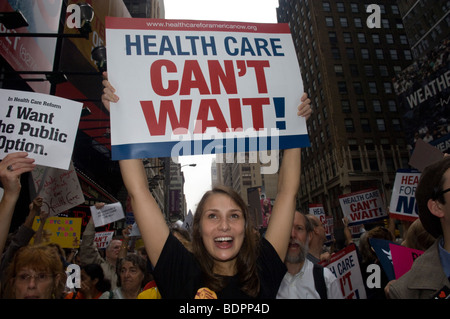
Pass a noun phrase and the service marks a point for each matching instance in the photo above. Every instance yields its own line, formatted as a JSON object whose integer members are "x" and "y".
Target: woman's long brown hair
{"x": 246, "y": 267}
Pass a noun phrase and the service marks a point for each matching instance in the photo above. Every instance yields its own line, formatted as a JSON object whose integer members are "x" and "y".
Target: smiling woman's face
{"x": 222, "y": 229}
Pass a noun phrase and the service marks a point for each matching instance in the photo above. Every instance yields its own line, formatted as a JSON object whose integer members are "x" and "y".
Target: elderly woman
{"x": 132, "y": 278}
{"x": 36, "y": 272}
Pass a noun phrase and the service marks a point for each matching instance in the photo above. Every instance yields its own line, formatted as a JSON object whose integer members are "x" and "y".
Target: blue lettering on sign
{"x": 408, "y": 207}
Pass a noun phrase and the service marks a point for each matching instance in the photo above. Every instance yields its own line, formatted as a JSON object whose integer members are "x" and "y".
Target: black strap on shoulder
{"x": 319, "y": 281}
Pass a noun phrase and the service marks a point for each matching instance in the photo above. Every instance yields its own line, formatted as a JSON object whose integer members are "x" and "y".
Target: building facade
{"x": 357, "y": 141}
{"x": 426, "y": 22}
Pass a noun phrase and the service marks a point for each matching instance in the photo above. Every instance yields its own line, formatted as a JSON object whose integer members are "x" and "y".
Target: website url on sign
{"x": 203, "y": 25}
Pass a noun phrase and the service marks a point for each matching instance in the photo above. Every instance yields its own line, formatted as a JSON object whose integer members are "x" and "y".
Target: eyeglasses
{"x": 41, "y": 277}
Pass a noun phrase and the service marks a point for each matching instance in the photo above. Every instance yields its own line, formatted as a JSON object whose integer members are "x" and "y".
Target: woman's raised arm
{"x": 149, "y": 217}
{"x": 280, "y": 226}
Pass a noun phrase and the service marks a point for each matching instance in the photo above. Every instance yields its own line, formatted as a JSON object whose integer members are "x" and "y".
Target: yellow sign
{"x": 60, "y": 230}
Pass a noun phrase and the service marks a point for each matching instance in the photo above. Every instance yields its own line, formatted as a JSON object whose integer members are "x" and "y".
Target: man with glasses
{"x": 430, "y": 273}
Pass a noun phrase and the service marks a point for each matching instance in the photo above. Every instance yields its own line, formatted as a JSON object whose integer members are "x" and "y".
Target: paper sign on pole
{"x": 363, "y": 206}
{"x": 107, "y": 214}
{"x": 43, "y": 125}
{"x": 59, "y": 189}
{"x": 60, "y": 230}
{"x": 202, "y": 87}
{"x": 403, "y": 200}
{"x": 345, "y": 266}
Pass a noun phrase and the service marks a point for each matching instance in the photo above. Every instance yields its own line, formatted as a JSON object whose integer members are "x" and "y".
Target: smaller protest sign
{"x": 135, "y": 232}
{"x": 60, "y": 230}
{"x": 107, "y": 214}
{"x": 363, "y": 206}
{"x": 403, "y": 200}
{"x": 383, "y": 251}
{"x": 345, "y": 266}
{"x": 403, "y": 258}
{"x": 424, "y": 154}
{"x": 59, "y": 189}
{"x": 102, "y": 239}
{"x": 43, "y": 125}
{"x": 319, "y": 211}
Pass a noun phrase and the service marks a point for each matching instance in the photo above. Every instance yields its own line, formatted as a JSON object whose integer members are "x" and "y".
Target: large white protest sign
{"x": 60, "y": 189}
{"x": 107, "y": 214}
{"x": 403, "y": 200}
{"x": 345, "y": 266}
{"x": 43, "y": 125}
{"x": 363, "y": 206}
{"x": 201, "y": 87}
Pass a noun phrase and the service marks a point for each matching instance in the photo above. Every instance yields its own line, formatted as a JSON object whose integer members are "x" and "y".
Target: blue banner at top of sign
{"x": 198, "y": 147}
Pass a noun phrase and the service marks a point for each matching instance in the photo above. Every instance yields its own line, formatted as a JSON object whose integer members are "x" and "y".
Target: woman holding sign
{"x": 228, "y": 259}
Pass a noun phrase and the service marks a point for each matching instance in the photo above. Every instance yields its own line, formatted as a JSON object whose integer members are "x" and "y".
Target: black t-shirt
{"x": 178, "y": 274}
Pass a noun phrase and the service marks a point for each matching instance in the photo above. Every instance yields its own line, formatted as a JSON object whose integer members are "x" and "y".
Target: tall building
{"x": 426, "y": 22}
{"x": 146, "y": 8}
{"x": 357, "y": 140}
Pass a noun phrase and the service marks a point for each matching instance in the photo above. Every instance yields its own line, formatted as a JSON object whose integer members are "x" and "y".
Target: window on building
{"x": 395, "y": 9}
{"x": 389, "y": 38}
{"x": 394, "y": 54}
{"x": 365, "y": 125}
{"x": 350, "y": 53}
{"x": 338, "y": 70}
{"x": 368, "y": 70}
{"x": 379, "y": 54}
{"x": 344, "y": 22}
{"x": 396, "y": 125}
{"x": 329, "y": 21}
{"x": 346, "y": 106}
{"x": 361, "y": 37}
{"x": 356, "y": 162}
{"x": 387, "y": 87}
{"x": 381, "y": 125}
{"x": 340, "y": 7}
{"x": 370, "y": 145}
{"x": 336, "y": 53}
{"x": 326, "y": 6}
{"x": 361, "y": 106}
{"x": 358, "y": 23}
{"x": 352, "y": 144}
{"x": 373, "y": 88}
{"x": 357, "y": 87}
{"x": 408, "y": 55}
{"x": 342, "y": 86}
{"x": 383, "y": 70}
{"x": 365, "y": 54}
{"x": 376, "y": 106}
{"x": 392, "y": 106}
{"x": 376, "y": 38}
{"x": 333, "y": 37}
{"x": 347, "y": 37}
{"x": 373, "y": 164}
{"x": 349, "y": 127}
{"x": 354, "y": 70}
